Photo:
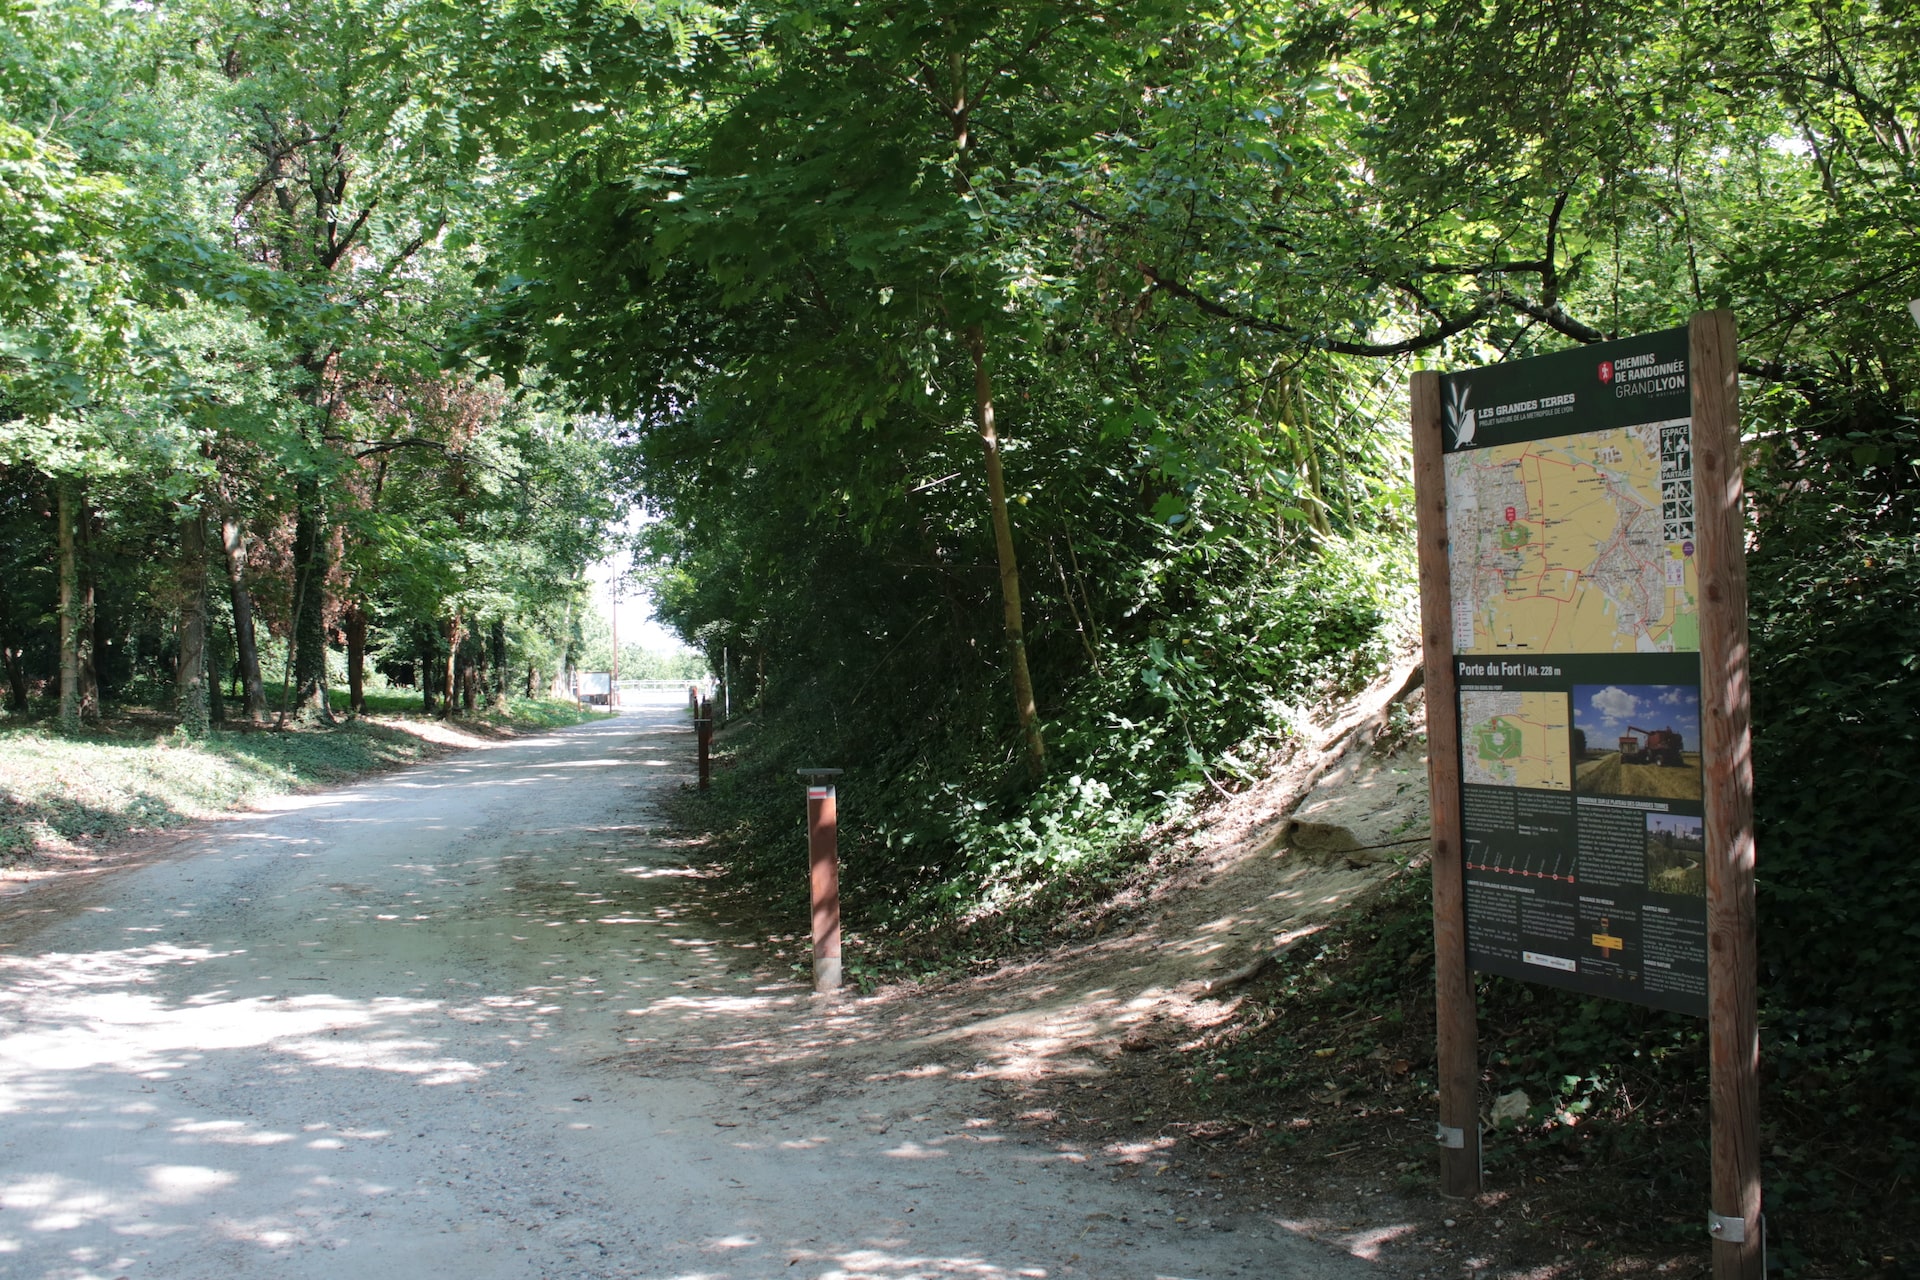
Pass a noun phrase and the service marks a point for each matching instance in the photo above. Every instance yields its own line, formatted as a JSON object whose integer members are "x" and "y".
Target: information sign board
{"x": 1583, "y": 625}
{"x": 1575, "y": 592}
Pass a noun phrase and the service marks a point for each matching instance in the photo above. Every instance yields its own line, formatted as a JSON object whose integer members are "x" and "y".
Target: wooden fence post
{"x": 823, "y": 875}
{"x": 703, "y": 732}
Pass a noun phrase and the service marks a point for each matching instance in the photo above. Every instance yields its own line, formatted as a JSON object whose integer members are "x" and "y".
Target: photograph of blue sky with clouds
{"x": 1607, "y": 712}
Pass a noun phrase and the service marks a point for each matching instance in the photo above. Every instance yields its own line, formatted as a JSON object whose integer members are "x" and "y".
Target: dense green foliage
{"x": 235, "y": 242}
{"x": 1837, "y": 743}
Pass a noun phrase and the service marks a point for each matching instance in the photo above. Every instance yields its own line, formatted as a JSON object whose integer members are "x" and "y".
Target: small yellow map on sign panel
{"x": 1578, "y": 544}
{"x": 1515, "y": 740}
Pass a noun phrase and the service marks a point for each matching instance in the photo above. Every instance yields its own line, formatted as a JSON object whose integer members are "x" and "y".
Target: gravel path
{"x": 465, "y": 1021}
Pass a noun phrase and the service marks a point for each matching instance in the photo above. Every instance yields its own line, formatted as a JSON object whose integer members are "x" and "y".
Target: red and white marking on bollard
{"x": 823, "y": 857}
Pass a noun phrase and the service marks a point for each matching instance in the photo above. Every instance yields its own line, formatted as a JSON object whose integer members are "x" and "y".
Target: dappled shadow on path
{"x": 480, "y": 1019}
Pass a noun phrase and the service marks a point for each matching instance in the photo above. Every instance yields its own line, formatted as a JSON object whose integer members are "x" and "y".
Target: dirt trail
{"x": 1268, "y": 869}
{"x": 473, "y": 1020}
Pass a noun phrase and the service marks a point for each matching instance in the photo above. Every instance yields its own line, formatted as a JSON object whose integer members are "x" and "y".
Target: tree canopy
{"x": 244, "y": 240}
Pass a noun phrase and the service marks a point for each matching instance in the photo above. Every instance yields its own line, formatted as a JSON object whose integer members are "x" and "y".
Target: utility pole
{"x": 613, "y": 683}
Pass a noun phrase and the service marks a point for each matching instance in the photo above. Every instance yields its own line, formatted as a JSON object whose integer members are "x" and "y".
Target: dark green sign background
{"x": 1612, "y": 384}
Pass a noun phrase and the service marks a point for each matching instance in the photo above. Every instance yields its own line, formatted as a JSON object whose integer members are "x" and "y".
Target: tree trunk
{"x": 13, "y": 652}
{"x": 533, "y": 681}
{"x": 1023, "y": 702}
{"x": 483, "y": 659}
{"x": 190, "y": 674}
{"x": 1307, "y": 455}
{"x": 470, "y": 673}
{"x": 426, "y": 681}
{"x": 72, "y": 622}
{"x": 356, "y": 627}
{"x": 613, "y": 620}
{"x": 234, "y": 539}
{"x": 310, "y": 606}
{"x": 500, "y": 672}
{"x": 12, "y": 658}
{"x": 455, "y": 634}
{"x": 91, "y": 641}
{"x": 217, "y": 666}
{"x": 960, "y": 110}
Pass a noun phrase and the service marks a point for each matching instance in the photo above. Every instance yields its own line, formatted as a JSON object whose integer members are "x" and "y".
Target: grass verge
{"x": 62, "y": 796}
{"x": 517, "y": 714}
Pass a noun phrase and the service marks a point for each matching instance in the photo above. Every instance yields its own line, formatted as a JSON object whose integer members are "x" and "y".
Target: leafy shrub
{"x": 939, "y": 824}
{"x": 1836, "y": 681}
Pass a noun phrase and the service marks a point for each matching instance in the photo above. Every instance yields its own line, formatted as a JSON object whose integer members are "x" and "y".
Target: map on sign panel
{"x": 1515, "y": 740}
{"x": 1578, "y": 544}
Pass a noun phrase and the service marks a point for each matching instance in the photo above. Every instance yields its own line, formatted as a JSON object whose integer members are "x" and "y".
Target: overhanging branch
{"x": 1446, "y": 326}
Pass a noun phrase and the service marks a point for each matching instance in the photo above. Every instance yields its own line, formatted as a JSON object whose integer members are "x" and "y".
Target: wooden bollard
{"x": 703, "y": 730}
{"x": 823, "y": 862}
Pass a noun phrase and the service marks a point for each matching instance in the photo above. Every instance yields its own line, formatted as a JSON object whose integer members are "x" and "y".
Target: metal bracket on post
{"x": 1731, "y": 1230}
{"x": 1450, "y": 1137}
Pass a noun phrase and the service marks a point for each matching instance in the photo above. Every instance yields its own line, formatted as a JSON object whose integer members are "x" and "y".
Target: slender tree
{"x": 191, "y": 688}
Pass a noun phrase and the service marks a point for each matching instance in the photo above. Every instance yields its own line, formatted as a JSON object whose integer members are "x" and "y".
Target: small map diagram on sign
{"x": 1577, "y": 544}
{"x": 1515, "y": 740}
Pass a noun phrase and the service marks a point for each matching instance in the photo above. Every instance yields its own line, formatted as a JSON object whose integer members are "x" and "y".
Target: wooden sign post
{"x": 1583, "y": 618}
{"x": 1733, "y": 1022}
{"x": 1456, "y": 1026}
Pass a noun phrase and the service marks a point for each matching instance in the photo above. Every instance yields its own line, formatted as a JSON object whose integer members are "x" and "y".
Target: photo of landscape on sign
{"x": 1615, "y": 756}
{"x": 1573, "y": 567}
{"x": 1676, "y": 854}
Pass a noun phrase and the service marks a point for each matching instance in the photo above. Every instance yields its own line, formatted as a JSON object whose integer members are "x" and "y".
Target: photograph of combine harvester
{"x": 1637, "y": 740}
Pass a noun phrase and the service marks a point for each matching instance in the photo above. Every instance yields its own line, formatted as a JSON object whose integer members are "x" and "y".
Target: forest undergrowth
{"x": 1596, "y": 1112}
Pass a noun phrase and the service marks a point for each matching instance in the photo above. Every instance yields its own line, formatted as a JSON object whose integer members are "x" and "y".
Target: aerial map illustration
{"x": 1515, "y": 740}
{"x": 1578, "y": 544}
